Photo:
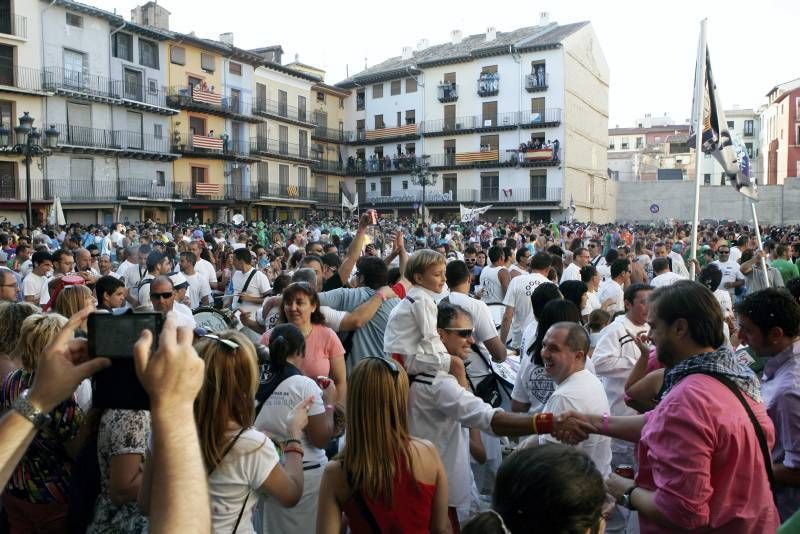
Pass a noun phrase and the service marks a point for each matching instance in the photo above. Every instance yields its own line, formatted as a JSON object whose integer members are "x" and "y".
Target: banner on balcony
{"x": 717, "y": 140}
{"x": 351, "y": 206}
{"x": 470, "y": 214}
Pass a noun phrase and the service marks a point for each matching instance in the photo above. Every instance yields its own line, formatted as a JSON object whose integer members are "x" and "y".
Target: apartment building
{"x": 779, "y": 139}
{"x": 744, "y": 125}
{"x": 518, "y": 120}
{"x": 650, "y": 152}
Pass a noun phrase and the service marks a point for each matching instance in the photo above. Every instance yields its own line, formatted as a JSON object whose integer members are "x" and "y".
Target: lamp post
{"x": 28, "y": 144}
{"x": 421, "y": 175}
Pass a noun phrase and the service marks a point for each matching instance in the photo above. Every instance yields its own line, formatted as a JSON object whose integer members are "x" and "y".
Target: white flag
{"x": 468, "y": 215}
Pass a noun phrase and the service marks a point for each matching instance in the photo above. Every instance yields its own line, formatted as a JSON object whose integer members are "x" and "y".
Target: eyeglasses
{"x": 724, "y": 251}
{"x": 166, "y": 295}
{"x": 592, "y": 246}
{"x": 388, "y": 363}
{"x": 461, "y": 332}
{"x": 227, "y": 342}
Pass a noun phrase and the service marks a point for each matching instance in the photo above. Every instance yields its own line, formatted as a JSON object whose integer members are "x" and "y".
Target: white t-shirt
{"x": 243, "y": 470}
{"x": 528, "y": 336}
{"x": 274, "y": 414}
{"x": 492, "y": 288}
{"x": 258, "y": 285}
{"x": 592, "y": 303}
{"x": 32, "y": 285}
{"x": 572, "y": 272}
{"x": 612, "y": 290}
{"x": 519, "y": 296}
{"x": 731, "y": 272}
{"x": 666, "y": 279}
{"x": 206, "y": 270}
{"x": 482, "y": 322}
{"x": 583, "y": 392}
{"x": 198, "y": 288}
{"x": 182, "y": 320}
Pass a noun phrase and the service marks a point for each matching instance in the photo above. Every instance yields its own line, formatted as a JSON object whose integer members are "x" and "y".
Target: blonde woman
{"x": 239, "y": 459}
{"x": 72, "y": 299}
{"x": 384, "y": 480}
{"x": 35, "y": 498}
{"x": 11, "y": 316}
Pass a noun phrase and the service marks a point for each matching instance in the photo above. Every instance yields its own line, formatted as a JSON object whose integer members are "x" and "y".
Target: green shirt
{"x": 787, "y": 269}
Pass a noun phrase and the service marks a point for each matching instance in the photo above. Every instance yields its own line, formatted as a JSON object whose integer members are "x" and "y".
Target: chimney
{"x": 226, "y": 38}
{"x": 544, "y": 18}
{"x": 151, "y": 14}
{"x": 491, "y": 33}
{"x": 455, "y": 36}
{"x": 407, "y": 53}
{"x": 422, "y": 44}
{"x": 297, "y": 58}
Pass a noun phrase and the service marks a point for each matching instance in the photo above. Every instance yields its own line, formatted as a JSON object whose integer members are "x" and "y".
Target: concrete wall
{"x": 778, "y": 203}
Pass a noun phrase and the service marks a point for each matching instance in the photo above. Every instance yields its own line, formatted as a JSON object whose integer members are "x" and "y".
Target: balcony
{"x": 536, "y": 82}
{"x": 146, "y": 98}
{"x": 208, "y": 100}
{"x": 383, "y": 166}
{"x": 326, "y": 166}
{"x": 488, "y": 84}
{"x": 541, "y": 118}
{"x": 77, "y": 84}
{"x": 409, "y": 132}
{"x": 448, "y": 92}
{"x": 126, "y": 144}
{"x": 15, "y": 25}
{"x": 214, "y": 147}
{"x": 22, "y": 79}
{"x": 540, "y": 195}
{"x": 12, "y": 189}
{"x": 273, "y": 148}
{"x": 493, "y": 158}
{"x": 323, "y": 133}
{"x": 282, "y": 112}
{"x": 545, "y": 118}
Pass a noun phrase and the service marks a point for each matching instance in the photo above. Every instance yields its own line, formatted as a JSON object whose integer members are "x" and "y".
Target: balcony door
{"x": 450, "y": 117}
{"x": 301, "y": 108}
{"x": 283, "y": 180}
{"x": 261, "y": 96}
{"x": 6, "y": 65}
{"x": 8, "y": 179}
{"x": 302, "y": 143}
{"x": 236, "y": 143}
{"x": 283, "y": 109}
{"x": 538, "y": 184}
{"x": 79, "y": 124}
{"x": 489, "y": 116}
{"x": 199, "y": 176}
{"x": 237, "y": 179}
{"x": 450, "y": 184}
{"x": 283, "y": 139}
{"x": 75, "y": 69}
{"x": 81, "y": 179}
{"x": 262, "y": 137}
{"x": 133, "y": 85}
{"x": 449, "y": 151}
{"x": 134, "y": 131}
{"x": 197, "y": 126}
{"x": 235, "y": 100}
{"x": 490, "y": 186}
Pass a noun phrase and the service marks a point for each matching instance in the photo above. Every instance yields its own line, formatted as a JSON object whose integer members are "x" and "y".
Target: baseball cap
{"x": 179, "y": 280}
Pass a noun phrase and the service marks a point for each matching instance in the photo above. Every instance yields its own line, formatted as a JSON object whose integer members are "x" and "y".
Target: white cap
{"x": 178, "y": 279}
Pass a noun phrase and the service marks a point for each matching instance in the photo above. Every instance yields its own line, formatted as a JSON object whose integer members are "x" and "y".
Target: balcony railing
{"x": 360, "y": 167}
{"x": 278, "y": 148}
{"x": 212, "y": 145}
{"x": 13, "y": 188}
{"x": 330, "y": 134}
{"x": 549, "y": 195}
{"x": 281, "y": 110}
{"x": 536, "y": 82}
{"x": 488, "y": 84}
{"x": 137, "y": 92}
{"x": 85, "y": 137}
{"x": 323, "y": 165}
{"x": 548, "y": 116}
{"x": 471, "y": 123}
{"x": 21, "y": 77}
{"x": 77, "y": 82}
{"x": 13, "y": 24}
{"x": 448, "y": 92}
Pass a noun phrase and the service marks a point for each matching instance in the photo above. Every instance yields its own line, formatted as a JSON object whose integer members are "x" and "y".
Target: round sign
{"x": 416, "y": 205}
{"x": 653, "y": 208}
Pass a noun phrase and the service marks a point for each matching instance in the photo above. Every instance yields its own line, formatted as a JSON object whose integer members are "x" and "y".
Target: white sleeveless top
{"x": 492, "y": 289}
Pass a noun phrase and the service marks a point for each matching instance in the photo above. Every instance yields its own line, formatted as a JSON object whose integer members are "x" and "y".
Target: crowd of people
{"x": 400, "y": 376}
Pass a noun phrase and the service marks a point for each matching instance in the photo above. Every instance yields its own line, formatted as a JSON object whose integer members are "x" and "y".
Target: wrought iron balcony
{"x": 24, "y": 78}
{"x": 327, "y": 166}
{"x": 329, "y": 134}
{"x": 282, "y": 111}
{"x": 137, "y": 95}
{"x": 488, "y": 84}
{"x": 281, "y": 149}
{"x": 448, "y": 92}
{"x": 536, "y": 82}
{"x": 385, "y": 165}
{"x": 538, "y": 195}
{"x": 128, "y": 144}
{"x": 16, "y": 25}
{"x": 76, "y": 83}
{"x": 383, "y": 135}
{"x": 213, "y": 146}
{"x": 207, "y": 99}
{"x": 12, "y": 188}
{"x": 541, "y": 118}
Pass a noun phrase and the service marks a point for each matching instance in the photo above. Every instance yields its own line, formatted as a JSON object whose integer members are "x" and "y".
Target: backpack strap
{"x": 366, "y": 513}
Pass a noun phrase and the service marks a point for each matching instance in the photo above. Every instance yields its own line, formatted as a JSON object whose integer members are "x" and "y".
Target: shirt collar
{"x": 777, "y": 361}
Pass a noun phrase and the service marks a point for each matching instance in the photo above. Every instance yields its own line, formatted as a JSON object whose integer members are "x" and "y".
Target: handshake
{"x": 573, "y": 427}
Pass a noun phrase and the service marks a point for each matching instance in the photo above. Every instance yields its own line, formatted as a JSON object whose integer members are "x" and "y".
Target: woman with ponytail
{"x": 285, "y": 387}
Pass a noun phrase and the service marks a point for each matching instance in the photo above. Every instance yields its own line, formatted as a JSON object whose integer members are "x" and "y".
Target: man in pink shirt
{"x": 701, "y": 468}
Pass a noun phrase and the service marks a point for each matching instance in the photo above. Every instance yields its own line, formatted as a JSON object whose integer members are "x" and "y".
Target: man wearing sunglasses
{"x": 162, "y": 298}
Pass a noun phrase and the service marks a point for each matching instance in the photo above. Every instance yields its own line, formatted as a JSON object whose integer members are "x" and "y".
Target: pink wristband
{"x": 605, "y": 423}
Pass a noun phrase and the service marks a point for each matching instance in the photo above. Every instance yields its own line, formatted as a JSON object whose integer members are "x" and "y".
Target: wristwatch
{"x": 30, "y": 412}
{"x": 625, "y": 500}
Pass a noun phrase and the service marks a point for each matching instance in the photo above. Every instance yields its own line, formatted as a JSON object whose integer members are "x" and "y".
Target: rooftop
{"x": 467, "y": 49}
{"x": 670, "y": 128}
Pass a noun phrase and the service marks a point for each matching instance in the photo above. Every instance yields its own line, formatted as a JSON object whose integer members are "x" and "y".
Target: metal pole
{"x": 29, "y": 205}
{"x": 760, "y": 246}
{"x": 699, "y": 97}
{"x": 424, "y": 185}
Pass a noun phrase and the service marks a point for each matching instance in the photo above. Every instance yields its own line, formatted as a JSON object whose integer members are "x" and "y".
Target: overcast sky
{"x": 650, "y": 47}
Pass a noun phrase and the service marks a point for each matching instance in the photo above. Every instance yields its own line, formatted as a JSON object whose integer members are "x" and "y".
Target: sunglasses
{"x": 166, "y": 295}
{"x": 227, "y": 342}
{"x": 461, "y": 332}
{"x": 724, "y": 251}
{"x": 388, "y": 363}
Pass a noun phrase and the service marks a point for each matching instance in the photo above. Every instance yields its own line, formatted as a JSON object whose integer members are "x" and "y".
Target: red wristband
{"x": 544, "y": 423}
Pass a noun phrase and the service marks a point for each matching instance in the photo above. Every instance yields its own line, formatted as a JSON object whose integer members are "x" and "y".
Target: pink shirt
{"x": 322, "y": 345}
{"x": 700, "y": 454}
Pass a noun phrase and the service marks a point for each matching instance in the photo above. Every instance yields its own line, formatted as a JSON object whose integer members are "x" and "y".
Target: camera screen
{"x": 113, "y": 336}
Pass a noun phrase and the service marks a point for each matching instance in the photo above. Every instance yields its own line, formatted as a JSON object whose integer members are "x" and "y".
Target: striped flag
{"x": 207, "y": 189}
{"x": 206, "y": 96}
{"x": 465, "y": 158}
{"x": 202, "y": 141}
{"x": 717, "y": 140}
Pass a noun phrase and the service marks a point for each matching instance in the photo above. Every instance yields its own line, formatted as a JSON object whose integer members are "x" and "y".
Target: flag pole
{"x": 760, "y": 245}
{"x": 699, "y": 97}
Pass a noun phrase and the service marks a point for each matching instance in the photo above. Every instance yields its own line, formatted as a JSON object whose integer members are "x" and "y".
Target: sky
{"x": 650, "y": 47}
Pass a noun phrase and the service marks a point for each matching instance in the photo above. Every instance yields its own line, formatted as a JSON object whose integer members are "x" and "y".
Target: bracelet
{"x": 383, "y": 297}
{"x": 533, "y": 419}
{"x": 605, "y": 423}
{"x": 294, "y": 449}
{"x": 543, "y": 423}
{"x": 292, "y": 440}
{"x": 330, "y": 407}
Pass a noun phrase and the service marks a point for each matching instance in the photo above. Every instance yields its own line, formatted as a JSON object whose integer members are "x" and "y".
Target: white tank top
{"x": 492, "y": 289}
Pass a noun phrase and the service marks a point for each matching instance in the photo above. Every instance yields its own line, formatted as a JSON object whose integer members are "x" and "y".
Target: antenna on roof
{"x": 347, "y": 71}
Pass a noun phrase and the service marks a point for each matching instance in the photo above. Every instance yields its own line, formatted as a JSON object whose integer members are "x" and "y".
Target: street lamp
{"x": 28, "y": 143}
{"x": 421, "y": 175}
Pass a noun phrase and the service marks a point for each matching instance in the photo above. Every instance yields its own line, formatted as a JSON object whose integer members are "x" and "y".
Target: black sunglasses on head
{"x": 390, "y": 364}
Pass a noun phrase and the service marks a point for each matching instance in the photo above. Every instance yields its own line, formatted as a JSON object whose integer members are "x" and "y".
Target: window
{"x": 490, "y": 142}
{"x": 748, "y": 128}
{"x": 360, "y": 129}
{"x": 490, "y": 186}
{"x": 235, "y": 100}
{"x": 283, "y": 139}
{"x": 133, "y": 134}
{"x": 749, "y": 148}
{"x": 197, "y": 126}
{"x": 537, "y": 109}
{"x": 731, "y": 124}
{"x": 75, "y": 68}
{"x": 8, "y": 179}
{"x": 678, "y": 148}
{"x": 395, "y": 87}
{"x": 132, "y": 88}
{"x": 152, "y": 86}
{"x": 377, "y": 90}
{"x": 538, "y": 184}
{"x": 301, "y": 108}
{"x": 148, "y": 53}
{"x": 302, "y": 180}
{"x": 611, "y": 145}
{"x": 450, "y": 184}
{"x": 158, "y": 131}
{"x": 640, "y": 142}
{"x": 283, "y": 179}
{"x": 7, "y": 67}
{"x": 624, "y": 143}
{"x": 360, "y": 100}
{"x": 386, "y": 187}
{"x": 379, "y": 124}
{"x": 341, "y": 103}
{"x": 320, "y": 97}
{"x": 489, "y": 114}
{"x": 199, "y": 175}
{"x": 283, "y": 99}
{"x": 6, "y": 117}
{"x": 177, "y": 55}
{"x": 74, "y": 20}
{"x": 123, "y": 46}
{"x": 208, "y": 62}
{"x": 372, "y": 186}
{"x": 411, "y": 85}
{"x": 302, "y": 141}
{"x": 161, "y": 178}
{"x": 707, "y": 179}
{"x": 405, "y": 184}
{"x": 235, "y": 68}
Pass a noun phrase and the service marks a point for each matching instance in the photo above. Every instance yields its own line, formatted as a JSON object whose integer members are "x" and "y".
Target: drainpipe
{"x": 44, "y": 106}
{"x": 111, "y": 106}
